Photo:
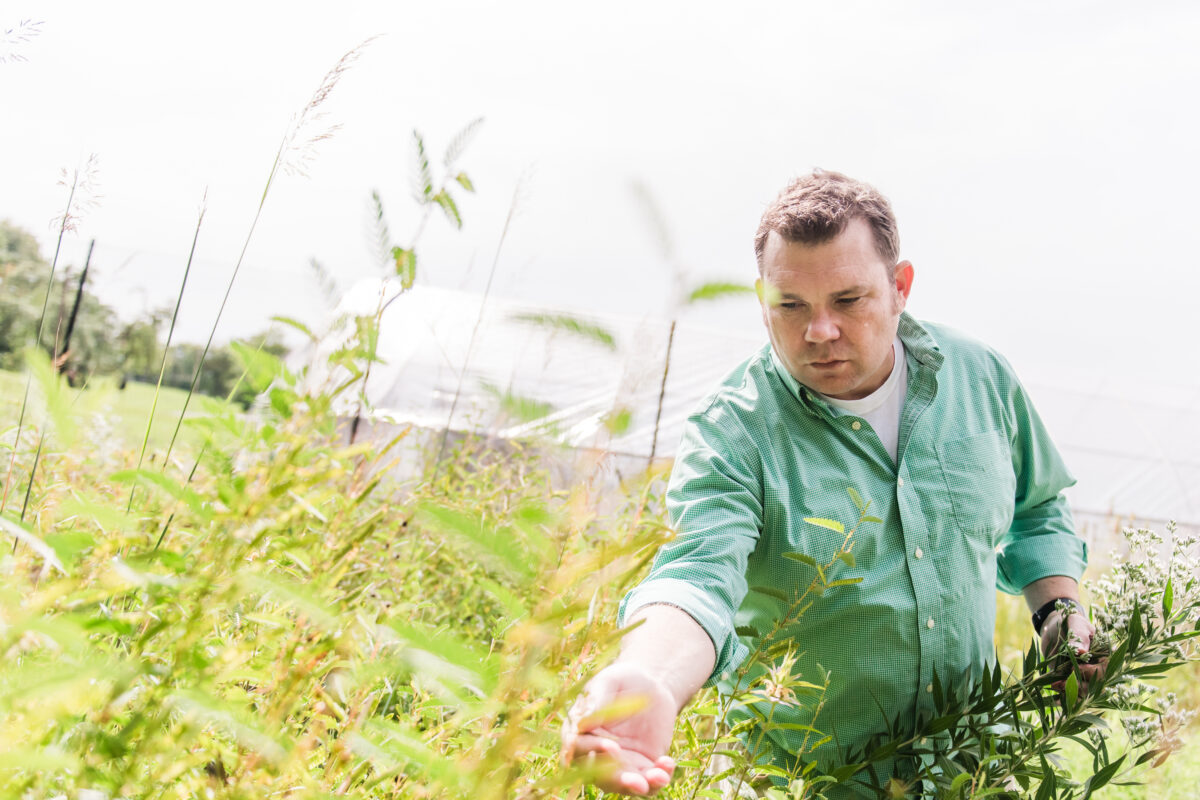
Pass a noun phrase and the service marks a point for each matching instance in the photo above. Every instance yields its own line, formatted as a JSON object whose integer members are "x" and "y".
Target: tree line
{"x": 101, "y": 344}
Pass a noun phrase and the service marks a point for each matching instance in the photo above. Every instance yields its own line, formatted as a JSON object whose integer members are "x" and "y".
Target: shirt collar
{"x": 919, "y": 345}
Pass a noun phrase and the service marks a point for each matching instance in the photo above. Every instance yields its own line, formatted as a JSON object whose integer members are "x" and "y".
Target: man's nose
{"x": 821, "y": 328}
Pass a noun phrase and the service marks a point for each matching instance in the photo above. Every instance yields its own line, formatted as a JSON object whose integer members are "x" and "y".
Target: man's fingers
{"x": 633, "y": 782}
{"x": 657, "y": 778}
{"x": 586, "y": 744}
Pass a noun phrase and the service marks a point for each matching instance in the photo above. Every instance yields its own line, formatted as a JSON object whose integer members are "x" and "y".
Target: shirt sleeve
{"x": 715, "y": 504}
{"x": 1041, "y": 541}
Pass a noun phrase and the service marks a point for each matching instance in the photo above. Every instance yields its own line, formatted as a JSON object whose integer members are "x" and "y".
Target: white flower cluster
{"x": 1139, "y": 578}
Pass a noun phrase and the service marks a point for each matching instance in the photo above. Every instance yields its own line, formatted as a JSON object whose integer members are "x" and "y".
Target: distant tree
{"x": 23, "y": 277}
{"x": 23, "y": 272}
{"x": 140, "y": 347}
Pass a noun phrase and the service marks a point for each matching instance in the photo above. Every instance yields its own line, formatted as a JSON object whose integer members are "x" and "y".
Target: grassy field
{"x": 119, "y": 412}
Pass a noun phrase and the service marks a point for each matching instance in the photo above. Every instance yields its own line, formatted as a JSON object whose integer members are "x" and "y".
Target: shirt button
{"x": 900, "y": 481}
{"x": 929, "y": 688}
{"x": 924, "y": 739}
{"x": 856, "y": 425}
{"x": 919, "y": 553}
{"x": 930, "y": 623}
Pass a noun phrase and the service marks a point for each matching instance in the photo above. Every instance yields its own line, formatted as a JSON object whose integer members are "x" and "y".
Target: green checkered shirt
{"x": 973, "y": 502}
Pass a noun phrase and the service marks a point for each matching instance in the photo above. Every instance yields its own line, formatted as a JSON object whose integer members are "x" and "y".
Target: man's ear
{"x": 902, "y": 275}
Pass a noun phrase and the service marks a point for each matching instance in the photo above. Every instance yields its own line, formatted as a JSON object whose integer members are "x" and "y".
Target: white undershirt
{"x": 881, "y": 408}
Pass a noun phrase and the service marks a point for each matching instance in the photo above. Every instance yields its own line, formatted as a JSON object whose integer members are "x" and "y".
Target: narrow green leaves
{"x": 447, "y": 204}
{"x": 716, "y": 290}
{"x": 422, "y": 175}
{"x": 575, "y": 326}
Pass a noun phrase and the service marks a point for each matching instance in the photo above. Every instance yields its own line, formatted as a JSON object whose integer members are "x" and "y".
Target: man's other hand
{"x": 1077, "y": 631}
{"x": 623, "y": 724}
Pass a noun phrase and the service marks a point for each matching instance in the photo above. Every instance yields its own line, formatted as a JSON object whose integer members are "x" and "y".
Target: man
{"x": 930, "y": 427}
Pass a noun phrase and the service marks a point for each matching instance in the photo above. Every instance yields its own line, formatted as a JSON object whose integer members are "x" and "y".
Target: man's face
{"x": 832, "y": 310}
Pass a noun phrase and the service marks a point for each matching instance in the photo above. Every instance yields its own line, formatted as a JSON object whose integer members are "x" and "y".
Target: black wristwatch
{"x": 1039, "y": 616}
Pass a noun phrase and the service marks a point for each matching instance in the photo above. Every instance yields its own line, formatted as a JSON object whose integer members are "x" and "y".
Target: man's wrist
{"x": 1046, "y": 610}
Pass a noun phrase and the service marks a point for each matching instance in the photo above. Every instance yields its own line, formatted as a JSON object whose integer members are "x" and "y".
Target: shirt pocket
{"x": 980, "y": 482}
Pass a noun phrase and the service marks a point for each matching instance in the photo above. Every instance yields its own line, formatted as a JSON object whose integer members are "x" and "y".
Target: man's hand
{"x": 1076, "y": 631}
{"x": 623, "y": 722}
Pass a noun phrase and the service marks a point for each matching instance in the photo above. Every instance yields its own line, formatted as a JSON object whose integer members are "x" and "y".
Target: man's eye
{"x": 788, "y": 306}
{"x": 848, "y": 301}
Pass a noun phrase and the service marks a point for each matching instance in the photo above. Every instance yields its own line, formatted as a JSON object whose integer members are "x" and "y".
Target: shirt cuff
{"x": 694, "y": 602}
{"x": 1033, "y": 558}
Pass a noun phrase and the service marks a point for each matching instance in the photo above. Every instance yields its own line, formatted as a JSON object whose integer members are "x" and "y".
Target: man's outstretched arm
{"x": 663, "y": 662}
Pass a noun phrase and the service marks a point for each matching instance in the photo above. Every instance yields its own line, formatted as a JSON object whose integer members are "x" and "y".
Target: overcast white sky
{"x": 1042, "y": 157}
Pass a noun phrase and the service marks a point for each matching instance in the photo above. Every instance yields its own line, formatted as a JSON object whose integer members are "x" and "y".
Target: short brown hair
{"x": 817, "y": 207}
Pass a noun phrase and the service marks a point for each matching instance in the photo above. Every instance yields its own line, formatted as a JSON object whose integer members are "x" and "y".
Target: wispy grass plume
{"x": 14, "y": 37}
{"x": 296, "y": 150}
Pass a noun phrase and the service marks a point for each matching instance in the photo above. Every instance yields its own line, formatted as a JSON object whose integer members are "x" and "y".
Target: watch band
{"x": 1039, "y": 616}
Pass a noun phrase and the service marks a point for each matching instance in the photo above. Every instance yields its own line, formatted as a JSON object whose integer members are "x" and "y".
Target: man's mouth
{"x": 826, "y": 364}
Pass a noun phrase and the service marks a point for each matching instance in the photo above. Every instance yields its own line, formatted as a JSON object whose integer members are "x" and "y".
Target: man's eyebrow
{"x": 851, "y": 291}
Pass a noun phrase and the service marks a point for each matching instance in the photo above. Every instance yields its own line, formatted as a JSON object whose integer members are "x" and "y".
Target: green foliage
{"x": 597, "y": 334}
{"x": 717, "y": 290}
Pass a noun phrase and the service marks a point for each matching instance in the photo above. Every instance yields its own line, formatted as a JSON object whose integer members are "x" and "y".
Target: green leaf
{"x": 464, "y": 181}
{"x": 802, "y": 558}
{"x": 69, "y": 545}
{"x": 771, "y": 591}
{"x": 846, "y": 557}
{"x": 295, "y": 324}
{"x": 56, "y": 395}
{"x": 831, "y": 524}
{"x": 423, "y": 175}
{"x": 717, "y": 290}
{"x": 472, "y": 529}
{"x": 960, "y": 780}
{"x": 857, "y": 498}
{"x": 747, "y": 630}
{"x": 173, "y": 488}
{"x": 447, "y": 204}
{"x": 1168, "y": 599}
{"x": 261, "y": 367}
{"x": 1072, "y": 690}
{"x": 876, "y": 520}
{"x": 289, "y": 593}
{"x": 843, "y": 582}
{"x": 518, "y": 407}
{"x": 406, "y": 266}
{"x": 618, "y": 421}
{"x": 574, "y": 325}
{"x": 460, "y": 141}
{"x": 237, "y": 721}
{"x": 1100, "y": 778}
{"x": 282, "y": 401}
{"x": 455, "y": 664}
